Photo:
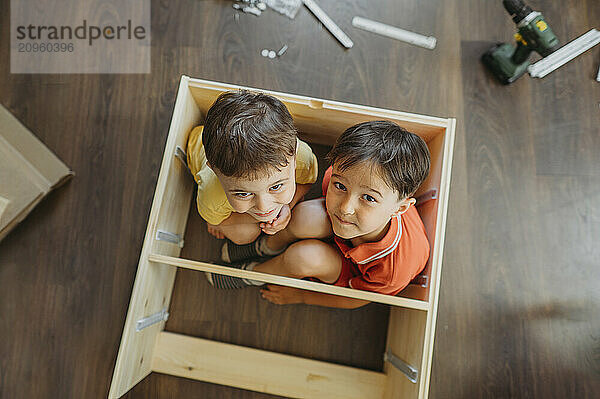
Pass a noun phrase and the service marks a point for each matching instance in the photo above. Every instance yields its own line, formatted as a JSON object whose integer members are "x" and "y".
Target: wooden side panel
{"x": 290, "y": 282}
{"x": 406, "y": 337}
{"x": 411, "y": 335}
{"x": 322, "y": 121}
{"x": 437, "y": 255}
{"x": 262, "y": 371}
{"x": 436, "y": 150}
{"x": 429, "y": 213}
{"x": 154, "y": 282}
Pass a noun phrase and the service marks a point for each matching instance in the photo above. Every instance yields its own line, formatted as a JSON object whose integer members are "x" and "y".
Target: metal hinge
{"x": 163, "y": 315}
{"x": 427, "y": 196}
{"x": 408, "y": 370}
{"x": 422, "y": 280}
{"x": 167, "y": 236}
{"x": 181, "y": 155}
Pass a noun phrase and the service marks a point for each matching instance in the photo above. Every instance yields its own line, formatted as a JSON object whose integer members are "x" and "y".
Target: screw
{"x": 282, "y": 50}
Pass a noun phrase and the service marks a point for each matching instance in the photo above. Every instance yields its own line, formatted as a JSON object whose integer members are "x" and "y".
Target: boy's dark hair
{"x": 246, "y": 134}
{"x": 402, "y": 157}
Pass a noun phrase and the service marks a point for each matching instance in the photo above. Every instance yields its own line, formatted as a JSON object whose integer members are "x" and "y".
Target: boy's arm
{"x": 332, "y": 301}
{"x": 282, "y": 295}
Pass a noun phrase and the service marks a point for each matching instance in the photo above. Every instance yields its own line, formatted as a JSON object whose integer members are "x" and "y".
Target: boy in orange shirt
{"x": 380, "y": 241}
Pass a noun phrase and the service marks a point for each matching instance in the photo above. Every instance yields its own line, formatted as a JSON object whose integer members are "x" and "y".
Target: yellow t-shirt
{"x": 211, "y": 199}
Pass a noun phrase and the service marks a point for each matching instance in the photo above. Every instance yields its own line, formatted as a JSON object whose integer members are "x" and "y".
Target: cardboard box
{"x": 145, "y": 347}
{"x": 28, "y": 171}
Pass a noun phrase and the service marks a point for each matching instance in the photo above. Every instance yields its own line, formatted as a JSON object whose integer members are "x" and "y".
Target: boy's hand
{"x": 279, "y": 223}
{"x": 281, "y": 295}
{"x": 215, "y": 231}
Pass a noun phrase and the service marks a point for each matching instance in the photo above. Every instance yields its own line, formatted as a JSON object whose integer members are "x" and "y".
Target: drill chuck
{"x": 517, "y": 9}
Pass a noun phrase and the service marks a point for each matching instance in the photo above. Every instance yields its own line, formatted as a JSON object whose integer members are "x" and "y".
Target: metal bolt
{"x": 282, "y": 50}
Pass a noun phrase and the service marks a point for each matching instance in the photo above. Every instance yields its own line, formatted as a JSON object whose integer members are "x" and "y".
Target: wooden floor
{"x": 519, "y": 311}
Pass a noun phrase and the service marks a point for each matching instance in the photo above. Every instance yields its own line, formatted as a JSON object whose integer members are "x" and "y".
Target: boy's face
{"x": 262, "y": 198}
{"x": 360, "y": 203}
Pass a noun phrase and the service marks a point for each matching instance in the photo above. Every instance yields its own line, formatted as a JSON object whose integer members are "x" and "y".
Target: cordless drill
{"x": 508, "y": 63}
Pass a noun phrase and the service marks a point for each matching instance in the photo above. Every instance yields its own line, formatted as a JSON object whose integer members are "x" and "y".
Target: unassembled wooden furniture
{"x": 146, "y": 347}
{"x": 28, "y": 172}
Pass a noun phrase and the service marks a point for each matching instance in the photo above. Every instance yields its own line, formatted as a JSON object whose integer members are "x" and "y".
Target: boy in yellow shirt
{"x": 250, "y": 167}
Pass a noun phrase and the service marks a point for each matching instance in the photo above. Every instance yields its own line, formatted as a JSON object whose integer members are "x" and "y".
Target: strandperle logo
{"x": 82, "y": 32}
{"x": 80, "y": 36}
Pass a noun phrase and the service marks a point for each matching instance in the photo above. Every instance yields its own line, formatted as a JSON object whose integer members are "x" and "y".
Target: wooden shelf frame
{"x": 413, "y": 314}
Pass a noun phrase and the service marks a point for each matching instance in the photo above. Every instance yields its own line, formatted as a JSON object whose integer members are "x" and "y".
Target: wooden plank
{"x": 262, "y": 371}
{"x": 429, "y": 212}
{"x": 315, "y": 103}
{"x": 154, "y": 282}
{"x": 290, "y": 282}
{"x": 3, "y": 204}
{"x": 406, "y": 336}
{"x": 322, "y": 121}
{"x": 437, "y": 255}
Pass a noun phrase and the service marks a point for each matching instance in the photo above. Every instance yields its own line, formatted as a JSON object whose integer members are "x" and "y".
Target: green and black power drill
{"x": 508, "y": 63}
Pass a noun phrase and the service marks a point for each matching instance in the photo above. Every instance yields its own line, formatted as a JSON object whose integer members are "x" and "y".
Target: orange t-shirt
{"x": 386, "y": 266}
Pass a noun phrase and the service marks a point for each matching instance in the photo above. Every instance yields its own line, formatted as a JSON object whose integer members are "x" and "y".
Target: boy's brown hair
{"x": 246, "y": 134}
{"x": 401, "y": 157}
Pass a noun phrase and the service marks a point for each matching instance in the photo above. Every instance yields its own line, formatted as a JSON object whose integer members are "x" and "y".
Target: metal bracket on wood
{"x": 181, "y": 155}
{"x": 167, "y": 236}
{"x": 422, "y": 280}
{"x": 163, "y": 315}
{"x": 408, "y": 370}
{"x": 427, "y": 196}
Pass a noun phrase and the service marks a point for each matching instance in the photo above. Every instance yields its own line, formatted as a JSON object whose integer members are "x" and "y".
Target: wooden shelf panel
{"x": 290, "y": 282}
{"x": 262, "y": 371}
